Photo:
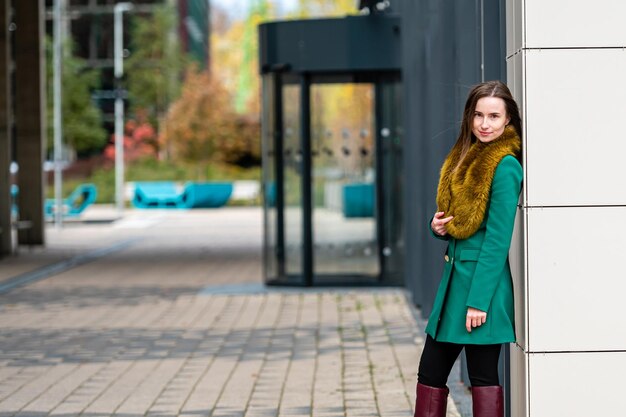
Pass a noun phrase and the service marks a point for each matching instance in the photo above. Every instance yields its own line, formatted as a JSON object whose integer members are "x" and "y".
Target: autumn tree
{"x": 202, "y": 125}
{"x": 216, "y": 118}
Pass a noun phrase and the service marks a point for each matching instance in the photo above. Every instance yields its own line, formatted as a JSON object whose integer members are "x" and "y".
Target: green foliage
{"x": 82, "y": 119}
{"x": 155, "y": 63}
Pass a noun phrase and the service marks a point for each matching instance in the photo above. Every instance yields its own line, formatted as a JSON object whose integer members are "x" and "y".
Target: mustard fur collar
{"x": 464, "y": 192}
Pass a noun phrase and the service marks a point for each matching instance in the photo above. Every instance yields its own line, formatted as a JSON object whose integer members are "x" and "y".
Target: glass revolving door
{"x": 292, "y": 181}
{"x": 331, "y": 147}
{"x": 332, "y": 179}
{"x": 343, "y": 178}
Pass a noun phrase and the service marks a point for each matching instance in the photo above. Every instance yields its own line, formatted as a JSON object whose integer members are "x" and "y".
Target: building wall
{"x": 566, "y": 64}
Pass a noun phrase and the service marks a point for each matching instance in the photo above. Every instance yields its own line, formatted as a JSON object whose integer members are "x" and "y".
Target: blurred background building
{"x": 89, "y": 26}
{"x": 190, "y": 92}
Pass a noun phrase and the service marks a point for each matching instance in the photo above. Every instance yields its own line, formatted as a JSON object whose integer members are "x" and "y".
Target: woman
{"x": 477, "y": 199}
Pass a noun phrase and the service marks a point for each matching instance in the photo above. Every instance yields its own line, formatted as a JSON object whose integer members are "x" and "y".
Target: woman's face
{"x": 490, "y": 118}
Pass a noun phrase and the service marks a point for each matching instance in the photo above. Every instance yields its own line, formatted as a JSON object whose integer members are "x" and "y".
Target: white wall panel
{"x": 517, "y": 258}
{"x": 574, "y": 111}
{"x": 519, "y": 382}
{"x": 575, "y": 23}
{"x": 577, "y": 384}
{"x": 566, "y": 66}
{"x": 576, "y": 278}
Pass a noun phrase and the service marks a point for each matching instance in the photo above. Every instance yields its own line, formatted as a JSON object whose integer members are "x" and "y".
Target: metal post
{"x": 307, "y": 203}
{"x": 279, "y": 175}
{"x": 58, "y": 120}
{"x": 118, "y": 11}
{"x": 382, "y": 128}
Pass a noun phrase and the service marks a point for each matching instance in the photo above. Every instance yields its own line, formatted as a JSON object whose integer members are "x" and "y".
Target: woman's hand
{"x": 474, "y": 318}
{"x": 439, "y": 223}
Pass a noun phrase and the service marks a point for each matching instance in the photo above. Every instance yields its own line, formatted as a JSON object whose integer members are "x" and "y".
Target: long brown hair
{"x": 487, "y": 89}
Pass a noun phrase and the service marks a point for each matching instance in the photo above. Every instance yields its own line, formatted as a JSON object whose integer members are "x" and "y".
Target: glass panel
{"x": 343, "y": 155}
{"x": 392, "y": 227}
{"x": 292, "y": 163}
{"x": 269, "y": 179}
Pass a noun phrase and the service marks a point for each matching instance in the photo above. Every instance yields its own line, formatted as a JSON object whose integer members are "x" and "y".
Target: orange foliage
{"x": 140, "y": 140}
{"x": 203, "y": 126}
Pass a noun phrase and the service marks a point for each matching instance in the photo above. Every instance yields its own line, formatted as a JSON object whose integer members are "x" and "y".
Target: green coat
{"x": 477, "y": 273}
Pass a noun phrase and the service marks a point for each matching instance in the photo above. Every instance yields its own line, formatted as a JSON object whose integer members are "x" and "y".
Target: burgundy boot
{"x": 488, "y": 401}
{"x": 431, "y": 401}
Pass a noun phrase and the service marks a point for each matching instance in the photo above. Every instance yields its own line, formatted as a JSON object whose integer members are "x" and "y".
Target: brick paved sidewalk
{"x": 176, "y": 323}
{"x": 270, "y": 354}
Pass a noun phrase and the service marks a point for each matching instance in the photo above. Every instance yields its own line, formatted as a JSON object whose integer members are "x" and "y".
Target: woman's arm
{"x": 505, "y": 189}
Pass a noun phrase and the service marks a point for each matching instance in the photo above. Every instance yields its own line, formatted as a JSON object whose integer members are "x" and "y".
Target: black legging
{"x": 438, "y": 359}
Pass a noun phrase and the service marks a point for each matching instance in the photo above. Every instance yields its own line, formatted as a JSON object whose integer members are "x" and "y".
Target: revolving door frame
{"x": 306, "y": 80}
{"x": 355, "y": 49}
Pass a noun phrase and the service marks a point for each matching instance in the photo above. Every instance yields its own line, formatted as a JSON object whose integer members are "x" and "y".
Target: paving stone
{"x": 312, "y": 354}
{"x": 137, "y": 334}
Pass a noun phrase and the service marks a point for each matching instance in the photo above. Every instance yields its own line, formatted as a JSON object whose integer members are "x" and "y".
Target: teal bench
{"x": 358, "y": 200}
{"x": 157, "y": 194}
{"x": 206, "y": 194}
{"x": 82, "y": 197}
{"x": 166, "y": 194}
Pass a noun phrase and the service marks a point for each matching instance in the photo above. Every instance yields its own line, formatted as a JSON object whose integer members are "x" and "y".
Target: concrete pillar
{"x": 30, "y": 108}
{"x": 566, "y": 65}
{"x": 5, "y": 130}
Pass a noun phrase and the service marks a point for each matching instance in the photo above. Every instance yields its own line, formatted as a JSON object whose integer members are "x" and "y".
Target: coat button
{"x": 447, "y": 258}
